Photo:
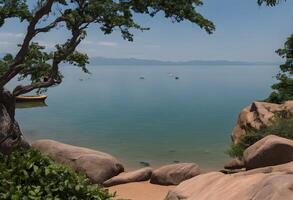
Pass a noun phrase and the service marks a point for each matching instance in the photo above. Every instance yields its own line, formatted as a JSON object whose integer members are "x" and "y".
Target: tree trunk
{"x": 10, "y": 134}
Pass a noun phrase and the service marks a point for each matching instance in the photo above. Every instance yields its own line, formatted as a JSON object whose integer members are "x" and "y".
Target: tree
{"x": 283, "y": 90}
{"x": 41, "y": 67}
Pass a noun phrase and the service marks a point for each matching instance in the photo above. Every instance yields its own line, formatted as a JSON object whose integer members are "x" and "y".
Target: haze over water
{"x": 158, "y": 120}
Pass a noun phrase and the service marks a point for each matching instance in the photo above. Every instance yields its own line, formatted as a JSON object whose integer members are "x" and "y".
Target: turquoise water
{"x": 158, "y": 120}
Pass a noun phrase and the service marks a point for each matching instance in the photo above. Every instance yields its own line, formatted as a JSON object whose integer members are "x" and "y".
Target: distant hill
{"x": 135, "y": 61}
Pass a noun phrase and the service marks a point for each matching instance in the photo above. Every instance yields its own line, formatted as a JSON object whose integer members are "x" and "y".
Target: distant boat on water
{"x": 37, "y": 98}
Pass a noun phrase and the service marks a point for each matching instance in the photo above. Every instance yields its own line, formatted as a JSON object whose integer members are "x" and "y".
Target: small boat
{"x": 31, "y": 98}
{"x": 176, "y": 77}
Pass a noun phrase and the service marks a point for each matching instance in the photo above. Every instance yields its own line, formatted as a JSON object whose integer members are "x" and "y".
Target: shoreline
{"x": 140, "y": 191}
{"x": 132, "y": 165}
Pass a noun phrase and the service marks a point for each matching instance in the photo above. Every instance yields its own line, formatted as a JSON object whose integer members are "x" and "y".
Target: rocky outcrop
{"x": 130, "y": 177}
{"x": 174, "y": 174}
{"x": 234, "y": 164}
{"x": 270, "y": 183}
{"x": 98, "y": 166}
{"x": 257, "y": 116}
{"x": 271, "y": 150}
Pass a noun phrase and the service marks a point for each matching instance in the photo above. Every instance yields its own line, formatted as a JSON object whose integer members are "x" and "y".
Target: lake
{"x": 158, "y": 120}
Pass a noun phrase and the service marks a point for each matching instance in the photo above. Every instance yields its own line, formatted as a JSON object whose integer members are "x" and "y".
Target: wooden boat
{"x": 31, "y": 98}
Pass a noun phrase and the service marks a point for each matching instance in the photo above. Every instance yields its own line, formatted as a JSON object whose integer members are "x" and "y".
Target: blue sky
{"x": 244, "y": 31}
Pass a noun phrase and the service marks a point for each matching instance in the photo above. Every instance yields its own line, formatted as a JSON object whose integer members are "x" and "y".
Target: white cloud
{"x": 107, "y": 44}
{"x": 11, "y": 35}
{"x": 5, "y": 43}
{"x": 9, "y": 41}
{"x": 87, "y": 42}
{"x": 152, "y": 46}
{"x": 46, "y": 44}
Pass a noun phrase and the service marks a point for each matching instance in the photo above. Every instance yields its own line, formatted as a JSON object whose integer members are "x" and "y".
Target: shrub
{"x": 283, "y": 127}
{"x": 27, "y": 174}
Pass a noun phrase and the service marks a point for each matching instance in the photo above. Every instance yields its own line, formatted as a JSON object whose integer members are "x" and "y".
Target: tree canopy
{"x": 284, "y": 88}
{"x": 269, "y": 2}
{"x": 41, "y": 67}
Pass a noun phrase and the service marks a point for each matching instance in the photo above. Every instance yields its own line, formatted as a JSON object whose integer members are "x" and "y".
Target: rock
{"x": 174, "y": 174}
{"x": 129, "y": 177}
{"x": 98, "y": 166}
{"x": 234, "y": 164}
{"x": 257, "y": 116}
{"x": 145, "y": 164}
{"x": 271, "y": 150}
{"x": 270, "y": 183}
{"x": 288, "y": 106}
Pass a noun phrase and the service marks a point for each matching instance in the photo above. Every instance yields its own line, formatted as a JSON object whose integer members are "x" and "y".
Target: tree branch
{"x": 50, "y": 26}
{"x": 19, "y": 90}
{"x": 58, "y": 58}
{"x": 16, "y": 66}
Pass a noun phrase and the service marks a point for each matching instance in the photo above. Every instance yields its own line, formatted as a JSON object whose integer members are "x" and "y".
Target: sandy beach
{"x": 140, "y": 191}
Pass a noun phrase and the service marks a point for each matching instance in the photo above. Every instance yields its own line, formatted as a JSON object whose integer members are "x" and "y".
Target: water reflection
{"x": 25, "y": 105}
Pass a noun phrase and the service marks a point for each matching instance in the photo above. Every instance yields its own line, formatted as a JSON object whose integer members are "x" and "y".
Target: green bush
{"x": 283, "y": 127}
{"x": 27, "y": 174}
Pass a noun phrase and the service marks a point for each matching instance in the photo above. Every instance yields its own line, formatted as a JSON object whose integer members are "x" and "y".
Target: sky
{"x": 244, "y": 32}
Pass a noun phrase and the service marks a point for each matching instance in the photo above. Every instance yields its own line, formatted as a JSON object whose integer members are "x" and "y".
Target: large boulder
{"x": 98, "y": 166}
{"x": 234, "y": 164}
{"x": 270, "y": 183}
{"x": 258, "y": 115}
{"x": 271, "y": 150}
{"x": 174, "y": 174}
{"x": 129, "y": 177}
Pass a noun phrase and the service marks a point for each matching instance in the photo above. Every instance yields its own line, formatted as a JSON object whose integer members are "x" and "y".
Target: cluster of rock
{"x": 104, "y": 169}
{"x": 270, "y": 183}
{"x": 270, "y": 158}
{"x": 269, "y": 151}
{"x": 267, "y": 178}
{"x": 259, "y": 115}
{"x": 268, "y": 163}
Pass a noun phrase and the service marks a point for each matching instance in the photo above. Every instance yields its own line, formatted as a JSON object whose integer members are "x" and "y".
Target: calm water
{"x": 158, "y": 120}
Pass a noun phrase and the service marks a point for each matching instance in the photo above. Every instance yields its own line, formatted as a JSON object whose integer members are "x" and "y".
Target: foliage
{"x": 283, "y": 127}
{"x": 269, "y": 2}
{"x": 41, "y": 66}
{"x": 284, "y": 88}
{"x": 4, "y": 63}
{"x": 14, "y": 8}
{"x": 26, "y": 174}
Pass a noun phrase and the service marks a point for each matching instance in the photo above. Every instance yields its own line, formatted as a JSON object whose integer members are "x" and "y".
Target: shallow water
{"x": 157, "y": 120}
